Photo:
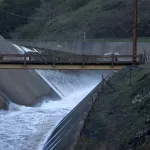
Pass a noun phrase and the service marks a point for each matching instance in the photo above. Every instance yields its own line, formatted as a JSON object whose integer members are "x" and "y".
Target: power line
{"x": 38, "y": 18}
{"x": 16, "y": 15}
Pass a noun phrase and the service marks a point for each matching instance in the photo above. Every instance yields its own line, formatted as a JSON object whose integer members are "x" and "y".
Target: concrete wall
{"x": 21, "y": 86}
{"x": 94, "y": 48}
{"x": 24, "y": 87}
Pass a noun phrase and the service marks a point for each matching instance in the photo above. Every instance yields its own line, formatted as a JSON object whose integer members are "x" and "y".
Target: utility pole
{"x": 135, "y": 32}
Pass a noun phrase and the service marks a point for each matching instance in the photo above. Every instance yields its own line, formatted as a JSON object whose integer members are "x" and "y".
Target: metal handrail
{"x": 35, "y": 57}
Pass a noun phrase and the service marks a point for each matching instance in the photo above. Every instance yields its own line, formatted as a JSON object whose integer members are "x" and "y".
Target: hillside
{"x": 67, "y": 19}
{"x": 120, "y": 120}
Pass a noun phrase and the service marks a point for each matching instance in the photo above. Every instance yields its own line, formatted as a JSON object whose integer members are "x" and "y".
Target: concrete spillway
{"x": 21, "y": 86}
{"x": 23, "y": 127}
{"x": 57, "y": 93}
{"x": 28, "y": 128}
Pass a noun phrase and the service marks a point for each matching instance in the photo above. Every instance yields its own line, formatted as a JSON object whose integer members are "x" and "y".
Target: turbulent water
{"x": 27, "y": 128}
{"x": 65, "y": 82}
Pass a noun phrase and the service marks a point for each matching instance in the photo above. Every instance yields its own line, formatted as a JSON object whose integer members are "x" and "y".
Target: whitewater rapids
{"x": 27, "y": 128}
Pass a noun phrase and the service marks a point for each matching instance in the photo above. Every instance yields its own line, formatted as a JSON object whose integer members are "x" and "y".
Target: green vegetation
{"x": 120, "y": 120}
{"x": 68, "y": 19}
{"x": 14, "y": 13}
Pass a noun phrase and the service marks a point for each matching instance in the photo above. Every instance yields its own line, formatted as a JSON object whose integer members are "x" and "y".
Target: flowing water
{"x": 27, "y": 128}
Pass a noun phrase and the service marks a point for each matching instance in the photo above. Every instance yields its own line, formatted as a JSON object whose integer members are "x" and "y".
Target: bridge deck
{"x": 40, "y": 61}
{"x": 62, "y": 67}
{"x": 75, "y": 66}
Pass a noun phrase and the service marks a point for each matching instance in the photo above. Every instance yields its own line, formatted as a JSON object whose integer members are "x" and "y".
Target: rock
{"x": 3, "y": 104}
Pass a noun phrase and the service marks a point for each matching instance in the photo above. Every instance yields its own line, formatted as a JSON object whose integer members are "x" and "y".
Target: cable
{"x": 22, "y": 16}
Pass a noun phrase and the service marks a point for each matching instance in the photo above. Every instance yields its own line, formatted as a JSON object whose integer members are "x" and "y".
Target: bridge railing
{"x": 67, "y": 131}
{"x": 54, "y": 59}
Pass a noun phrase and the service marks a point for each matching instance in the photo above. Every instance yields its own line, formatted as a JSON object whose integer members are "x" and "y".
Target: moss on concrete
{"x": 120, "y": 120}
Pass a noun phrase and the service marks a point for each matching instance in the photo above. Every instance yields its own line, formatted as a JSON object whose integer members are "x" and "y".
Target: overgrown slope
{"x": 120, "y": 120}
{"x": 69, "y": 19}
{"x": 15, "y": 13}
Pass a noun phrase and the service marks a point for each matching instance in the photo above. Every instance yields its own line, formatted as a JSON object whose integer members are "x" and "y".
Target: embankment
{"x": 120, "y": 120}
{"x": 21, "y": 86}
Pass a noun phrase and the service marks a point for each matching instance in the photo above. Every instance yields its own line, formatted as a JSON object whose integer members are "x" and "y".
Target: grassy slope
{"x": 98, "y": 18}
{"x": 14, "y": 14}
{"x": 120, "y": 120}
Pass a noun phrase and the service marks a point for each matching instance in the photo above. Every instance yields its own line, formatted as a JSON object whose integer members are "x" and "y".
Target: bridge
{"x": 80, "y": 57}
{"x": 76, "y": 55}
{"x": 35, "y": 60}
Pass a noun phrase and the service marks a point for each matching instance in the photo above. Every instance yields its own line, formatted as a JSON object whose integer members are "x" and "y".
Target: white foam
{"x": 25, "y": 127}
{"x": 26, "y": 49}
{"x": 50, "y": 84}
{"x": 20, "y": 50}
{"x": 65, "y": 82}
{"x": 34, "y": 50}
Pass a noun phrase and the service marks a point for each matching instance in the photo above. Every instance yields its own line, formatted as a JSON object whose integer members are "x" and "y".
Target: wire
{"x": 20, "y": 16}
{"x": 63, "y": 27}
{"x": 16, "y": 15}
